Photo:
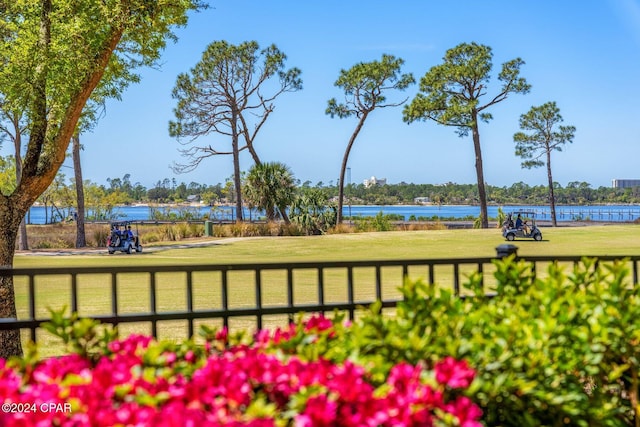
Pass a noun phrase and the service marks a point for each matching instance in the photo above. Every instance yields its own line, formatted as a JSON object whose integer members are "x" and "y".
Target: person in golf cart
{"x": 522, "y": 225}
{"x": 115, "y": 237}
{"x": 123, "y": 238}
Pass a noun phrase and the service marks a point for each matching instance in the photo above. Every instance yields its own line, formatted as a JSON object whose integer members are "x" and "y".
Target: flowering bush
{"x": 142, "y": 382}
{"x": 565, "y": 348}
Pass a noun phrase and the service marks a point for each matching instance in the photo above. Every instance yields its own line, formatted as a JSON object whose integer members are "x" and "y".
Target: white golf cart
{"x": 521, "y": 224}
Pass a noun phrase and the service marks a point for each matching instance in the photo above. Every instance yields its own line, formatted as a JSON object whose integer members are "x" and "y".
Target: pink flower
{"x": 190, "y": 356}
{"x": 127, "y": 386}
{"x": 318, "y": 412}
{"x": 223, "y": 335}
{"x": 454, "y": 373}
{"x": 131, "y": 344}
{"x": 466, "y": 411}
{"x": 318, "y": 322}
{"x": 54, "y": 369}
{"x": 9, "y": 382}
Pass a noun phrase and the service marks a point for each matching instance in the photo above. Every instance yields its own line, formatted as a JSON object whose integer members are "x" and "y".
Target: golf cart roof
{"x": 120, "y": 223}
{"x": 530, "y": 213}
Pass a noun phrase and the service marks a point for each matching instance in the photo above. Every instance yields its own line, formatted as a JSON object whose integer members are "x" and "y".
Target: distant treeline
{"x": 574, "y": 193}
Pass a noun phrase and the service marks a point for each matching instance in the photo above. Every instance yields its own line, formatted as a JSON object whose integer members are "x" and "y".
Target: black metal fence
{"x": 254, "y": 294}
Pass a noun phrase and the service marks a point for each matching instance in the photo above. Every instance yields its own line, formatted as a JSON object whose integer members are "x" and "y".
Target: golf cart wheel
{"x": 511, "y": 237}
{"x": 139, "y": 248}
{"x": 111, "y": 252}
{"x": 129, "y": 249}
{"x": 538, "y": 237}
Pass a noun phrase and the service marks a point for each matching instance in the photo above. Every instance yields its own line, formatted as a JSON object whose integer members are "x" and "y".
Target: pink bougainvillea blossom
{"x": 137, "y": 382}
{"x": 454, "y": 373}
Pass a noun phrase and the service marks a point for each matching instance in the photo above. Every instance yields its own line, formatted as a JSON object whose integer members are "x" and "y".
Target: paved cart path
{"x": 154, "y": 248}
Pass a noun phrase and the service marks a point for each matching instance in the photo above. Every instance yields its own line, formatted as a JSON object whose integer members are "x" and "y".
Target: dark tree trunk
{"x": 552, "y": 197}
{"x": 10, "y": 344}
{"x": 482, "y": 193}
{"x": 23, "y": 239}
{"x": 256, "y": 159}
{"x": 283, "y": 214}
{"x": 81, "y": 240}
{"x": 271, "y": 213}
{"x": 236, "y": 169}
{"x": 345, "y": 161}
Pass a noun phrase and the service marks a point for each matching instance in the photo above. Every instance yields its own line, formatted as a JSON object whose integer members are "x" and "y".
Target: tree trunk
{"x": 256, "y": 159}
{"x": 283, "y": 214}
{"x": 23, "y": 239}
{"x": 271, "y": 213}
{"x": 552, "y": 197}
{"x": 482, "y": 193}
{"x": 345, "y": 160}
{"x": 10, "y": 344}
{"x": 81, "y": 240}
{"x": 236, "y": 171}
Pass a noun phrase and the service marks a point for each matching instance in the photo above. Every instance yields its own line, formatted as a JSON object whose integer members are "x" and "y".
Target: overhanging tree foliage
{"x": 450, "y": 95}
{"x": 109, "y": 87}
{"x": 365, "y": 86}
{"x": 53, "y": 55}
{"x": 12, "y": 127}
{"x": 545, "y": 135}
{"x": 230, "y": 93}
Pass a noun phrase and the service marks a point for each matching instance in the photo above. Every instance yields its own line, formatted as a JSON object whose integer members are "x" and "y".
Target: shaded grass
{"x": 94, "y": 291}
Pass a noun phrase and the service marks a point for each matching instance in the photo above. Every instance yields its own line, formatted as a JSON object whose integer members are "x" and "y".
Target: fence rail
{"x": 196, "y": 293}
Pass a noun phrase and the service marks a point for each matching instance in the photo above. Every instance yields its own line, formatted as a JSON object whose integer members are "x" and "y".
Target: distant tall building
{"x": 625, "y": 183}
{"x": 374, "y": 181}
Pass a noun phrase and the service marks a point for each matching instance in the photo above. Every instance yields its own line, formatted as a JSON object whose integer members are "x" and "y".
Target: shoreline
{"x": 412, "y": 213}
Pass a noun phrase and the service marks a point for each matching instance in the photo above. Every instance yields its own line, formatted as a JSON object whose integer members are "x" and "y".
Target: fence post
{"x": 505, "y": 250}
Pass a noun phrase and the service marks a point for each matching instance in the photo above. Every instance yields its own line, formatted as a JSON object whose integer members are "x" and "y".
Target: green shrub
{"x": 563, "y": 350}
{"x": 558, "y": 350}
{"x": 380, "y": 222}
{"x": 501, "y": 218}
{"x": 312, "y": 212}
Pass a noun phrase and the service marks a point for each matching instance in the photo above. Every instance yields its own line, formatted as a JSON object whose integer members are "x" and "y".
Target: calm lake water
{"x": 616, "y": 213}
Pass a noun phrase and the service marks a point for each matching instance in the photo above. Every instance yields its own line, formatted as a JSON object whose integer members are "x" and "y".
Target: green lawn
{"x": 133, "y": 289}
{"x": 586, "y": 240}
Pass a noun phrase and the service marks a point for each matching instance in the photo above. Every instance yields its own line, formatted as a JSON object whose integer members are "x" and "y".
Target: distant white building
{"x": 625, "y": 183}
{"x": 422, "y": 200}
{"x": 374, "y": 181}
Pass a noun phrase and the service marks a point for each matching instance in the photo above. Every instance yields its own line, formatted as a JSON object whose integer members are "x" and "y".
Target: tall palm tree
{"x": 270, "y": 187}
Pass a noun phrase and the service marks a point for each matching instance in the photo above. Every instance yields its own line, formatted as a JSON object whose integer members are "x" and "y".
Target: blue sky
{"x": 583, "y": 55}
